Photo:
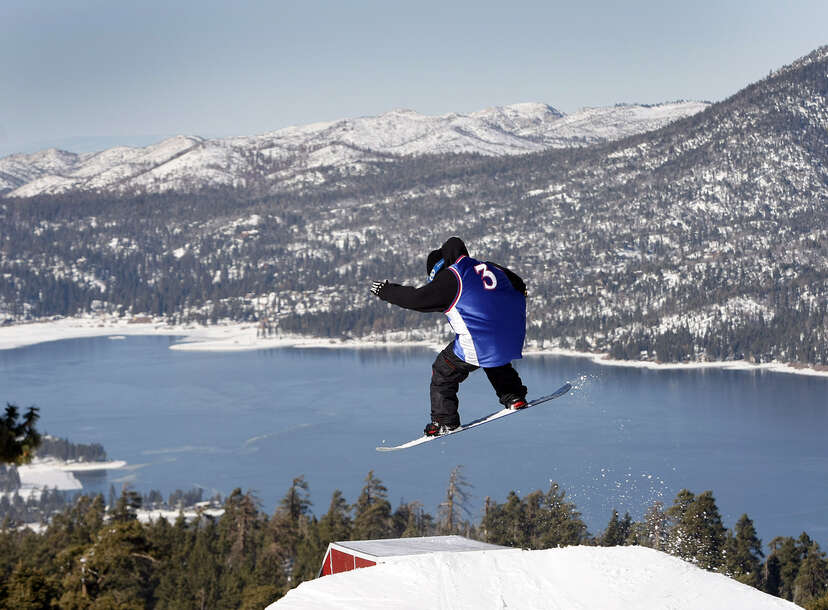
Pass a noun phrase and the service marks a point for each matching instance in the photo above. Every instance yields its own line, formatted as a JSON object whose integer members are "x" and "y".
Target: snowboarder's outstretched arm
{"x": 437, "y": 295}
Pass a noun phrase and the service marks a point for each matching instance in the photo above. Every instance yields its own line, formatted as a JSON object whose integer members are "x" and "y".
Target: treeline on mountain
{"x": 98, "y": 556}
{"x": 705, "y": 239}
{"x": 62, "y": 449}
{"x": 35, "y": 508}
{"x": 42, "y": 506}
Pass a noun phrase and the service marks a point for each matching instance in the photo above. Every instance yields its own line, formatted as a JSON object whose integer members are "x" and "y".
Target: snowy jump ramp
{"x": 571, "y": 578}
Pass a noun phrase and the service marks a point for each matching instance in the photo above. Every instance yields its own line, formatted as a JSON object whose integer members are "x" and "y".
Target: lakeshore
{"x": 256, "y": 419}
{"x": 242, "y": 336}
{"x": 51, "y": 473}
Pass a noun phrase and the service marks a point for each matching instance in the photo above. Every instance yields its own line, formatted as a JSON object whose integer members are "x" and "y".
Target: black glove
{"x": 378, "y": 287}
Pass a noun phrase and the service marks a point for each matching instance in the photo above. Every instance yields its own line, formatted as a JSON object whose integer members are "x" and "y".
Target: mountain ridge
{"x": 500, "y": 130}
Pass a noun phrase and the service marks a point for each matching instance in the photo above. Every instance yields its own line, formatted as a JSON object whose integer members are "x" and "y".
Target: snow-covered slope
{"x": 51, "y": 473}
{"x": 570, "y": 578}
{"x": 292, "y": 155}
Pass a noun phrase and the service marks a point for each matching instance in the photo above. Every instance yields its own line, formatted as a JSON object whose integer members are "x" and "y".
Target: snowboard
{"x": 483, "y": 420}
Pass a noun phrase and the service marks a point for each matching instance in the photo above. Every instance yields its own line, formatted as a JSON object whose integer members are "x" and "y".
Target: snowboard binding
{"x": 438, "y": 429}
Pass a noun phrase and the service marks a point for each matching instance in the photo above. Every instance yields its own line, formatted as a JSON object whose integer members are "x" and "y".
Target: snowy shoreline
{"x": 52, "y": 473}
{"x": 242, "y": 337}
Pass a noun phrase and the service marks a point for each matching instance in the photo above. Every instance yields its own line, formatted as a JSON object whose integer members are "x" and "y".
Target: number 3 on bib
{"x": 488, "y": 278}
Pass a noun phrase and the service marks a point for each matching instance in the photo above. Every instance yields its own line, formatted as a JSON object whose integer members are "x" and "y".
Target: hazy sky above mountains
{"x": 89, "y": 74}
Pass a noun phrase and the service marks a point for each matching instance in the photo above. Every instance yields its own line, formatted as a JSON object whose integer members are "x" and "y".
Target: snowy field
{"x": 51, "y": 473}
{"x": 570, "y": 578}
{"x": 241, "y": 336}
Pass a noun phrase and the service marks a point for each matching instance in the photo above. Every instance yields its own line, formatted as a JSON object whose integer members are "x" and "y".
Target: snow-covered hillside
{"x": 51, "y": 473}
{"x": 568, "y": 578}
{"x": 290, "y": 156}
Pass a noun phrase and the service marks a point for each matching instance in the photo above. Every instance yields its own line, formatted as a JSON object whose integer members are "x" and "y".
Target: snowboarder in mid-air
{"x": 486, "y": 306}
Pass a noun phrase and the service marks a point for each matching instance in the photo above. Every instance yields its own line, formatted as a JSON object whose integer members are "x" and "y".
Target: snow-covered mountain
{"x": 573, "y": 577}
{"x": 701, "y": 240}
{"x": 290, "y": 156}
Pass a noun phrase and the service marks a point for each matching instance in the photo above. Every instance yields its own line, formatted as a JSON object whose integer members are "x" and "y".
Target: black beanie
{"x": 433, "y": 257}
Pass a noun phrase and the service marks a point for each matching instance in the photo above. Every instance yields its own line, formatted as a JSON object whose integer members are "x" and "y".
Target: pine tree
{"x": 534, "y": 519}
{"x": 512, "y": 522}
{"x": 503, "y": 523}
{"x": 783, "y": 566}
{"x": 94, "y": 513}
{"x": 772, "y": 576}
{"x": 335, "y": 525}
{"x": 626, "y": 528}
{"x": 284, "y": 527}
{"x": 309, "y": 552}
{"x": 28, "y": 588}
{"x": 744, "y": 553}
{"x": 77, "y": 525}
{"x": 541, "y": 521}
{"x": 679, "y": 540}
{"x": 456, "y": 503}
{"x": 114, "y": 572}
{"x": 652, "y": 531}
{"x": 811, "y": 581}
{"x": 237, "y": 527}
{"x": 256, "y": 597}
{"x": 412, "y": 521}
{"x": 819, "y": 603}
{"x": 200, "y": 583}
{"x": 171, "y": 543}
{"x": 18, "y": 438}
{"x": 561, "y": 521}
{"x": 296, "y": 501}
{"x": 270, "y": 571}
{"x": 618, "y": 530}
{"x": 488, "y": 510}
{"x": 127, "y": 505}
{"x": 707, "y": 533}
{"x": 372, "y": 518}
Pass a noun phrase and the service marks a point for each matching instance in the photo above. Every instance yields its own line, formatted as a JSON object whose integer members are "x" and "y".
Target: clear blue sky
{"x": 119, "y": 71}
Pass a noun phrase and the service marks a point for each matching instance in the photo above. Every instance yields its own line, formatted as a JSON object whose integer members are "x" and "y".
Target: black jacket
{"x": 439, "y": 294}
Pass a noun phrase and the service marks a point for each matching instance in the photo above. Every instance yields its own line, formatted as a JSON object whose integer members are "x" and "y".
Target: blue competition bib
{"x": 488, "y": 315}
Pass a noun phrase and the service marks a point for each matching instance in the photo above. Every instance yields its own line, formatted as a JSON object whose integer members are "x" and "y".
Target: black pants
{"x": 448, "y": 372}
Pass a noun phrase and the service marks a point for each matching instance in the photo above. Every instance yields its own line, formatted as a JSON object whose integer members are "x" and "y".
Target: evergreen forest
{"x": 94, "y": 555}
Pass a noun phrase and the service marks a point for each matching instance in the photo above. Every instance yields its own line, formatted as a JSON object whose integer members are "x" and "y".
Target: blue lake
{"x": 623, "y": 438}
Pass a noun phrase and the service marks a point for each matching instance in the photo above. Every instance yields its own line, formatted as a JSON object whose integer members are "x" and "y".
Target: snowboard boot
{"x": 437, "y": 429}
{"x": 513, "y": 402}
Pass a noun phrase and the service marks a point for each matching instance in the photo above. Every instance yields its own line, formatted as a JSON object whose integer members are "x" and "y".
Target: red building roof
{"x": 352, "y": 554}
